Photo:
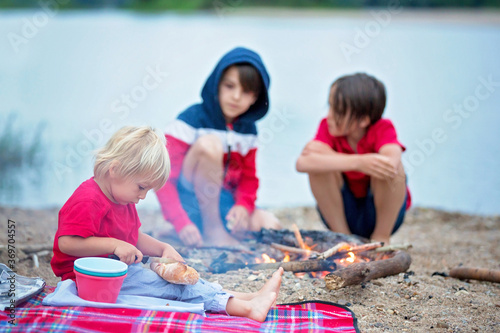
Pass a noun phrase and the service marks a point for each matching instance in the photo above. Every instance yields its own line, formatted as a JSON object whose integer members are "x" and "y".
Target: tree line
{"x": 191, "y": 5}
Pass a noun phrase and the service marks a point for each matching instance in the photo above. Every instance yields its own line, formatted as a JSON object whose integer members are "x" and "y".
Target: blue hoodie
{"x": 207, "y": 118}
{"x": 209, "y": 112}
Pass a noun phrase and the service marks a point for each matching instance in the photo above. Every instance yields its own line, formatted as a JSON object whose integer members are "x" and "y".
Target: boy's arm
{"x": 153, "y": 247}
{"x": 246, "y": 192}
{"x": 319, "y": 157}
{"x": 393, "y": 152}
{"x": 97, "y": 246}
{"x": 168, "y": 196}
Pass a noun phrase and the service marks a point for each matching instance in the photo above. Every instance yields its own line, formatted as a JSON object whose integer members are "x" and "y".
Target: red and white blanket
{"x": 311, "y": 316}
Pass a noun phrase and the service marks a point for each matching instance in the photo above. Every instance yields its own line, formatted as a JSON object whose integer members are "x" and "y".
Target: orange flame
{"x": 349, "y": 260}
{"x": 267, "y": 259}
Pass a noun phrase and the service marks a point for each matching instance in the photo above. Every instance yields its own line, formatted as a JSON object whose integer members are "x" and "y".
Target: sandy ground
{"x": 419, "y": 301}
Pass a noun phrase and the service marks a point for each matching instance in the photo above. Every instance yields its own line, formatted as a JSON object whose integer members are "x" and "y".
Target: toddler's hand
{"x": 170, "y": 252}
{"x": 128, "y": 253}
{"x": 191, "y": 236}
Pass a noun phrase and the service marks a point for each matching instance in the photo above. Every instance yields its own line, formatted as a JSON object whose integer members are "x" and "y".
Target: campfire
{"x": 339, "y": 259}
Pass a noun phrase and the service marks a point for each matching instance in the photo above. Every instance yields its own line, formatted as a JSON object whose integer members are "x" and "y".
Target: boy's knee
{"x": 399, "y": 181}
{"x": 326, "y": 179}
{"x": 208, "y": 146}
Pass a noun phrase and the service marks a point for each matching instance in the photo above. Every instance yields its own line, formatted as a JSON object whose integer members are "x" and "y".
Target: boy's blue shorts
{"x": 192, "y": 206}
{"x": 360, "y": 213}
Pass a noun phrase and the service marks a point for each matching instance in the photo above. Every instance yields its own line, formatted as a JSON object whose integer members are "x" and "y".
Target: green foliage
{"x": 191, "y": 5}
{"x": 19, "y": 159}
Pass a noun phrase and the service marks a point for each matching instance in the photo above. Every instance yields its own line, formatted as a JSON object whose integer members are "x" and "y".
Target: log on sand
{"x": 365, "y": 271}
{"x": 472, "y": 273}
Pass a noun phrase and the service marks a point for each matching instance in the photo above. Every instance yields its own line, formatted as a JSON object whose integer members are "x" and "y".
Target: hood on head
{"x": 210, "y": 91}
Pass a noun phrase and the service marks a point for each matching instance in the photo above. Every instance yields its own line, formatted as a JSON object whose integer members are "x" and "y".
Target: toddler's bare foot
{"x": 266, "y": 297}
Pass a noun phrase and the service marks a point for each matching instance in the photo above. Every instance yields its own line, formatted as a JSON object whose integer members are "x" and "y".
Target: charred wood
{"x": 361, "y": 272}
{"x": 291, "y": 266}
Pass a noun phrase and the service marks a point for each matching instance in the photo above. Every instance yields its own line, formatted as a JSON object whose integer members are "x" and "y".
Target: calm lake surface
{"x": 83, "y": 75}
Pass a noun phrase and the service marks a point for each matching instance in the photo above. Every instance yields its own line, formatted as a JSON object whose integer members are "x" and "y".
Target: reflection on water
{"x": 22, "y": 158}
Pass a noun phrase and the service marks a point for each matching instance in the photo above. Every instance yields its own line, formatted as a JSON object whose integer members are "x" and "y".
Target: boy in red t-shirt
{"x": 354, "y": 162}
{"x": 100, "y": 219}
{"x": 211, "y": 193}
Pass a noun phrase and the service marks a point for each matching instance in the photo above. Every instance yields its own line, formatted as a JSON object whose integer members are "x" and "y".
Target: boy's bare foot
{"x": 220, "y": 239}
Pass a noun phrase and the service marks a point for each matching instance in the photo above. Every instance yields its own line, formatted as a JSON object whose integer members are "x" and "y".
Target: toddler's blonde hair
{"x": 138, "y": 152}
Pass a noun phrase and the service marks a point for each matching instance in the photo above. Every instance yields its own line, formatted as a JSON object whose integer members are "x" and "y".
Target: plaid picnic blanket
{"x": 311, "y": 316}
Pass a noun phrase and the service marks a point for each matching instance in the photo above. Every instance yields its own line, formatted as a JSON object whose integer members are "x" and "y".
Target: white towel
{"x": 66, "y": 295}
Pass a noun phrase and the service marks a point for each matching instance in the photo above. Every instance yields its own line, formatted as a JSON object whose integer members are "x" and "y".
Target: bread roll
{"x": 177, "y": 273}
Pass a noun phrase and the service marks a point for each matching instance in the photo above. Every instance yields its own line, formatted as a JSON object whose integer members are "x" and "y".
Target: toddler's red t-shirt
{"x": 378, "y": 134}
{"x": 88, "y": 212}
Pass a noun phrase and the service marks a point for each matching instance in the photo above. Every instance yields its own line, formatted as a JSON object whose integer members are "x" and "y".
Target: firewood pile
{"x": 341, "y": 260}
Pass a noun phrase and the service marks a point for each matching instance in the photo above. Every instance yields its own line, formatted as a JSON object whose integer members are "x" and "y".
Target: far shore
{"x": 483, "y": 16}
{"x": 398, "y": 13}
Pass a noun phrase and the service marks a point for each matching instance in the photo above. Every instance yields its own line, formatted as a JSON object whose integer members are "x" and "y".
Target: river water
{"x": 82, "y": 75}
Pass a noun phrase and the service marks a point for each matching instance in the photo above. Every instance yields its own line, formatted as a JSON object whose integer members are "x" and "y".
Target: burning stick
{"x": 291, "y": 249}
{"x": 394, "y": 247}
{"x": 296, "y": 231}
{"x": 361, "y": 248}
{"x": 354, "y": 249}
{"x": 330, "y": 252}
{"x": 366, "y": 271}
{"x": 481, "y": 274}
{"x": 291, "y": 266}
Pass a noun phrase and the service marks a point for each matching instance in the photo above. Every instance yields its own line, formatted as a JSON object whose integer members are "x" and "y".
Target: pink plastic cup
{"x": 98, "y": 288}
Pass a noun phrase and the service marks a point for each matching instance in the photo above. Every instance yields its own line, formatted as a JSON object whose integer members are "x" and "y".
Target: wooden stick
{"x": 330, "y": 252}
{"x": 365, "y": 271}
{"x": 354, "y": 249}
{"x": 364, "y": 247}
{"x": 296, "y": 231}
{"x": 394, "y": 247}
{"x": 472, "y": 273}
{"x": 291, "y": 249}
{"x": 291, "y": 266}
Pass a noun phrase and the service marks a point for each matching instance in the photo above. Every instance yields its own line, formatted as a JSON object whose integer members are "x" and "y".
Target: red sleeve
{"x": 168, "y": 196}
{"x": 322, "y": 134}
{"x": 82, "y": 219}
{"x": 383, "y": 132}
{"x": 246, "y": 192}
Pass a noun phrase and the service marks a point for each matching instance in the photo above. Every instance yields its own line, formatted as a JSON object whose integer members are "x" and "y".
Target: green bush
{"x": 21, "y": 156}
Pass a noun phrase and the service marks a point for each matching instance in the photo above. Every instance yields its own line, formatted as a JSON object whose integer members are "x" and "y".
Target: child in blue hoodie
{"x": 210, "y": 195}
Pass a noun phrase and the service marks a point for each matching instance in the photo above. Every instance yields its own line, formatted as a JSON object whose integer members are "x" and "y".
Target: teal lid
{"x": 99, "y": 266}
{"x": 83, "y": 271}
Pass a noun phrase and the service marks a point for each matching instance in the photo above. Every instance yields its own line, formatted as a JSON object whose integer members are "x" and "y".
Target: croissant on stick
{"x": 177, "y": 273}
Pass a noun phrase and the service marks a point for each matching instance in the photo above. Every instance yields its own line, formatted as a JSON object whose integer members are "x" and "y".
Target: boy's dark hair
{"x": 250, "y": 78}
{"x": 361, "y": 95}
